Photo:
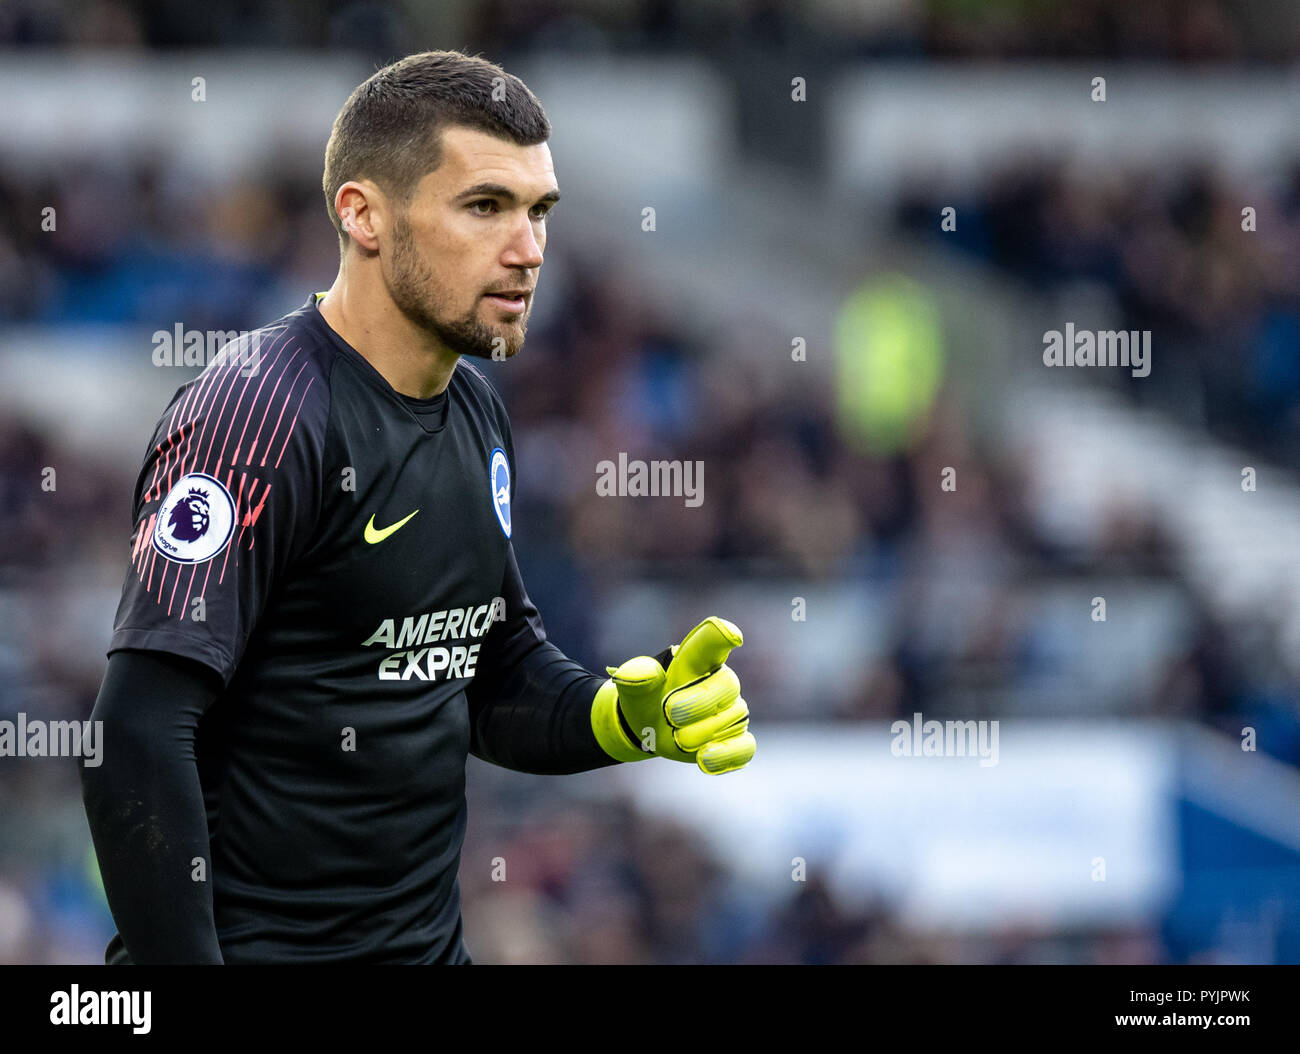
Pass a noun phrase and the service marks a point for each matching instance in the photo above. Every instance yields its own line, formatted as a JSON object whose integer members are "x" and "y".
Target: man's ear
{"x": 352, "y": 203}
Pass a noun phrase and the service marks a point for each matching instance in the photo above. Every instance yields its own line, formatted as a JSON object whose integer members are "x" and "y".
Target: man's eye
{"x": 486, "y": 201}
{"x": 545, "y": 211}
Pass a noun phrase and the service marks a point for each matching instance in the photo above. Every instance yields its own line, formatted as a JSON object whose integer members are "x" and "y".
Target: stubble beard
{"x": 413, "y": 290}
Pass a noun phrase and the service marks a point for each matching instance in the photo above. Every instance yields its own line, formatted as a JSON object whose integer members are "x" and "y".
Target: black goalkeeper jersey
{"x": 340, "y": 554}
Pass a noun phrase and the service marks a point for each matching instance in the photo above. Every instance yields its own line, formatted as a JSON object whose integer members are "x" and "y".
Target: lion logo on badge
{"x": 190, "y": 517}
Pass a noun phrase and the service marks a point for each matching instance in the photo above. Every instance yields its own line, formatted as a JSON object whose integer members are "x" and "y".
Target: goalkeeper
{"x": 322, "y": 614}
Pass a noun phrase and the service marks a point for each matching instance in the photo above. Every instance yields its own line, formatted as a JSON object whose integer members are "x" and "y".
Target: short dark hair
{"x": 390, "y": 129}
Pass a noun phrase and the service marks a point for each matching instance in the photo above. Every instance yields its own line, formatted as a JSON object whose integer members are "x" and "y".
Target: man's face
{"x": 476, "y": 226}
{"x": 198, "y": 515}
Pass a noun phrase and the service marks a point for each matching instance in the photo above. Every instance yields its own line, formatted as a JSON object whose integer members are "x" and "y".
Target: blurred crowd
{"x": 788, "y": 491}
{"x": 612, "y": 885}
{"x": 136, "y": 239}
{"x": 1194, "y": 31}
{"x": 1210, "y": 267}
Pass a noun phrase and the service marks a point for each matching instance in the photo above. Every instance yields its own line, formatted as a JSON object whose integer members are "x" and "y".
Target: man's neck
{"x": 407, "y": 357}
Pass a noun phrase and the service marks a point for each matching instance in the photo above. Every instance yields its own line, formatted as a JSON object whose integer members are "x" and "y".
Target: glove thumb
{"x": 705, "y": 648}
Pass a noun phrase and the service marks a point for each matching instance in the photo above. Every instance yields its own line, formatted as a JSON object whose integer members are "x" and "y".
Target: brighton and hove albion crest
{"x": 499, "y": 477}
{"x": 195, "y": 520}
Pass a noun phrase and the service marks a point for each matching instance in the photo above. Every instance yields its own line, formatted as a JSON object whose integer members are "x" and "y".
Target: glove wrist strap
{"x": 608, "y": 725}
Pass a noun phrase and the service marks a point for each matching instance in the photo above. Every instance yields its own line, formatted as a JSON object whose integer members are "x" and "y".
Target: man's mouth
{"x": 511, "y": 299}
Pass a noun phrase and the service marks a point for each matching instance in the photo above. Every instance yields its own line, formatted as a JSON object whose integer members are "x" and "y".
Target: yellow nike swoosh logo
{"x": 373, "y": 535}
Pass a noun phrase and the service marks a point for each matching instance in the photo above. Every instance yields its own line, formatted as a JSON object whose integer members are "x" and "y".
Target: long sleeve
{"x": 529, "y": 703}
{"x": 145, "y": 807}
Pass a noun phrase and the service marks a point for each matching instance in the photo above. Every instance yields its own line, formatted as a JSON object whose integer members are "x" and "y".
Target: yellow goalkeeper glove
{"x": 683, "y": 704}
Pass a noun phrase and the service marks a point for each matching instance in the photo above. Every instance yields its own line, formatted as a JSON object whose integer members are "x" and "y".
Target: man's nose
{"x": 524, "y": 249}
